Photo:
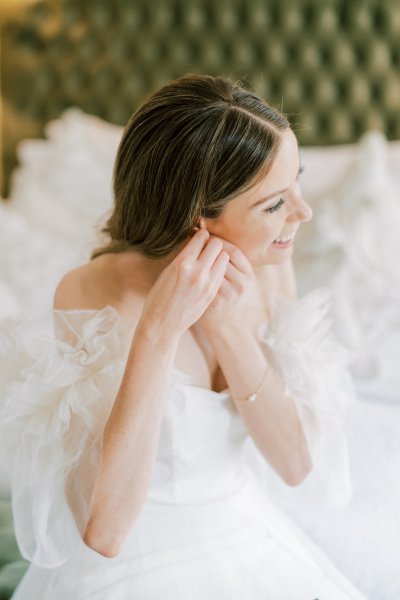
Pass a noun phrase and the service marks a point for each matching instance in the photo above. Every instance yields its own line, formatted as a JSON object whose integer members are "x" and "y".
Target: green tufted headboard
{"x": 331, "y": 65}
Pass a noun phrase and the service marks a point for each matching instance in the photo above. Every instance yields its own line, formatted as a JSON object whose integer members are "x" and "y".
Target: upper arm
{"x": 69, "y": 292}
{"x": 68, "y": 295}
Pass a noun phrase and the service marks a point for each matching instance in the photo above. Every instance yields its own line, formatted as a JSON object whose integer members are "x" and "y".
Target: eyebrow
{"x": 274, "y": 193}
{"x": 268, "y": 197}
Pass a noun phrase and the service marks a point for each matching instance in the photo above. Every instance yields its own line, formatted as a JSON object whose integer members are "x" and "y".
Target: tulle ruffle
{"x": 299, "y": 341}
{"x": 61, "y": 371}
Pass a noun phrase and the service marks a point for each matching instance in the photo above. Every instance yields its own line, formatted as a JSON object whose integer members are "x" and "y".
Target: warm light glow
{"x": 9, "y": 7}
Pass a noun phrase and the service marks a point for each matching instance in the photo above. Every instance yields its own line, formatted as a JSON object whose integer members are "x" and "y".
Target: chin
{"x": 281, "y": 259}
{"x": 272, "y": 259}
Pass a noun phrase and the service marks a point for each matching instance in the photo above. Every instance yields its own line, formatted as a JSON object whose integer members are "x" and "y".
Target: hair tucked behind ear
{"x": 190, "y": 148}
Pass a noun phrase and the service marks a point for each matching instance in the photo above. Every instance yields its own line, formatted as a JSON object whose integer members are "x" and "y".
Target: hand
{"x": 238, "y": 300}
{"x": 187, "y": 285}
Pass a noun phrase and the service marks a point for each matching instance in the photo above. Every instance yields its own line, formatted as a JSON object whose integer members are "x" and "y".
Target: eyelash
{"x": 277, "y": 206}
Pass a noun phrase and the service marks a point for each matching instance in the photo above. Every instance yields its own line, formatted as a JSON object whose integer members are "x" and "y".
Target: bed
{"x": 341, "y": 90}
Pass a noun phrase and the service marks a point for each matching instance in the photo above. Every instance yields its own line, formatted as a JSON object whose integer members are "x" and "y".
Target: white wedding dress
{"x": 209, "y": 529}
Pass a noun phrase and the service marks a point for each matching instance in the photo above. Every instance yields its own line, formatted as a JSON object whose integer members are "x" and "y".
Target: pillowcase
{"x": 64, "y": 182}
{"x": 32, "y": 262}
{"x": 60, "y": 196}
{"x": 352, "y": 246}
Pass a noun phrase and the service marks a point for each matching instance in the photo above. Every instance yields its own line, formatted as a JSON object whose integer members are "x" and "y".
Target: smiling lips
{"x": 284, "y": 241}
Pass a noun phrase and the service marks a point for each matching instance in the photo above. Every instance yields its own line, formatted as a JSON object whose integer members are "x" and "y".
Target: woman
{"x": 177, "y": 344}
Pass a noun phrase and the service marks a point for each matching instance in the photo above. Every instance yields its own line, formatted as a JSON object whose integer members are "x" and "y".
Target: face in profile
{"x": 263, "y": 221}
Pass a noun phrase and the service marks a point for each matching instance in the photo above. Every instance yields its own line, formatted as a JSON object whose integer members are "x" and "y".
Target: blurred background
{"x": 71, "y": 74}
{"x": 332, "y": 65}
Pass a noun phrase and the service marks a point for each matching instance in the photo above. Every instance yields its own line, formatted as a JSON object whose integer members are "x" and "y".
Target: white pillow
{"x": 61, "y": 194}
{"x": 64, "y": 182}
{"x": 352, "y": 246}
{"x": 32, "y": 263}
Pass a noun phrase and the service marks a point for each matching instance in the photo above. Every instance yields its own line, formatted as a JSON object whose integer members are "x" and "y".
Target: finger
{"x": 217, "y": 273}
{"x": 232, "y": 273}
{"x": 218, "y": 269}
{"x": 210, "y": 253}
{"x": 195, "y": 245}
{"x": 236, "y": 256}
{"x": 225, "y": 289}
{"x": 233, "y": 277}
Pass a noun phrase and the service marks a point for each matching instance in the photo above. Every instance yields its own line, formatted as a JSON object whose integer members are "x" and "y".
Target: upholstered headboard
{"x": 332, "y": 65}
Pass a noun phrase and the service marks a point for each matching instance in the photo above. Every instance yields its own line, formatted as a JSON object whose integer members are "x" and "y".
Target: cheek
{"x": 257, "y": 236}
{"x": 268, "y": 226}
{"x": 265, "y": 230}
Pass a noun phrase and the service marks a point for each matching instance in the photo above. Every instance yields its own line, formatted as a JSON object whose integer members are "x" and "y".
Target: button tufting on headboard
{"x": 333, "y": 67}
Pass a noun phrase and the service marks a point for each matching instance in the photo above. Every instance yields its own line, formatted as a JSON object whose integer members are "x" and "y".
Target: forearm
{"x": 272, "y": 419}
{"x": 130, "y": 440}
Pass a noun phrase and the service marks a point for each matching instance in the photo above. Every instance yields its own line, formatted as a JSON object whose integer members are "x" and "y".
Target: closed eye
{"x": 275, "y": 207}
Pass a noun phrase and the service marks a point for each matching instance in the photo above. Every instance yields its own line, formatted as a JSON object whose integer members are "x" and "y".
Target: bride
{"x": 177, "y": 344}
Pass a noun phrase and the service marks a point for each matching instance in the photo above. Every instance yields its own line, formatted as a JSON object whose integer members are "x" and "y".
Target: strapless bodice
{"x": 201, "y": 446}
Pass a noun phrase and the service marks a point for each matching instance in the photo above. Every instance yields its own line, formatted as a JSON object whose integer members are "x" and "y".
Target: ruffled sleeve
{"x": 314, "y": 366}
{"x": 59, "y": 377}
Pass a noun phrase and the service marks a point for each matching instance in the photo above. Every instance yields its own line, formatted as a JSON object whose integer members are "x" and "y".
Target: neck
{"x": 141, "y": 271}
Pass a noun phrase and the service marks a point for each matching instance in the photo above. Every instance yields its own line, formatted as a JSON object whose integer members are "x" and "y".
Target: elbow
{"x": 295, "y": 477}
{"x": 299, "y": 469}
{"x": 104, "y": 538}
{"x": 108, "y": 550}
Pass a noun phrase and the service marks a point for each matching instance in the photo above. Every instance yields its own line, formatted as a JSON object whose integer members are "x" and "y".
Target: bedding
{"x": 352, "y": 245}
{"x": 60, "y": 197}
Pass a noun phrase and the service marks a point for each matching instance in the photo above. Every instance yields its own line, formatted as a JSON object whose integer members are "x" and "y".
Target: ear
{"x": 202, "y": 223}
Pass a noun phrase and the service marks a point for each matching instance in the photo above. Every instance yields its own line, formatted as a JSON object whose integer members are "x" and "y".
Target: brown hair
{"x": 191, "y": 147}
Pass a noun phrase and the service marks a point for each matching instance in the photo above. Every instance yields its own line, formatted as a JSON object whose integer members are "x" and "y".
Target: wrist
{"x": 226, "y": 331}
{"x": 155, "y": 332}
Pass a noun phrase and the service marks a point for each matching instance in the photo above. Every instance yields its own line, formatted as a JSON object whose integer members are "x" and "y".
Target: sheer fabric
{"x": 52, "y": 422}
{"x": 298, "y": 340}
{"x": 208, "y": 498}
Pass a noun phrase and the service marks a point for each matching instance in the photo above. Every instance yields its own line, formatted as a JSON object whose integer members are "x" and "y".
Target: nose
{"x": 300, "y": 210}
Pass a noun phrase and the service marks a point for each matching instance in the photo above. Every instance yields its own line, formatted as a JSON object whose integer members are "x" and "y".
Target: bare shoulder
{"x": 96, "y": 285}
{"x": 91, "y": 286}
{"x": 70, "y": 291}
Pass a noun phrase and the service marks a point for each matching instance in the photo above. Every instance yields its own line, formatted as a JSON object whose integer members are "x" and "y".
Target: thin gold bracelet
{"x": 253, "y": 396}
